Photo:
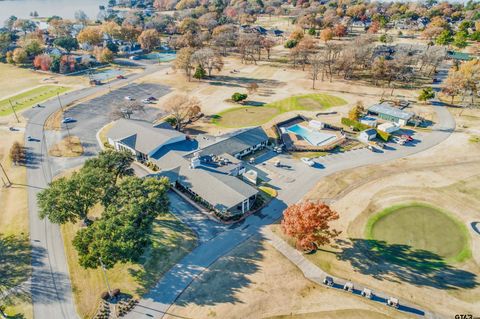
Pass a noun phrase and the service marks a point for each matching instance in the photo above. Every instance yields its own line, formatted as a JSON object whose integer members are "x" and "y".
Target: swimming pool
{"x": 313, "y": 137}
{"x": 160, "y": 56}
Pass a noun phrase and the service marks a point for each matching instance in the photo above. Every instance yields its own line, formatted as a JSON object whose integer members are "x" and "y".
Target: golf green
{"x": 422, "y": 227}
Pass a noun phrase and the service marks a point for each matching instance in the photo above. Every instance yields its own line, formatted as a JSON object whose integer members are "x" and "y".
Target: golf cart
{"x": 328, "y": 281}
{"x": 392, "y": 302}
{"x": 348, "y": 286}
{"x": 367, "y": 293}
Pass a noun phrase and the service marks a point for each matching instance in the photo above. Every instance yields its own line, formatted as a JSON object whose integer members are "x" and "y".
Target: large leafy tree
{"x": 67, "y": 43}
{"x": 309, "y": 224}
{"x": 123, "y": 232}
{"x": 149, "y": 39}
{"x": 118, "y": 163}
{"x": 70, "y": 199}
{"x": 426, "y": 94}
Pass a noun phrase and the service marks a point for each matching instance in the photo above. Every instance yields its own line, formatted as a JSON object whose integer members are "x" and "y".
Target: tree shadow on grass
{"x": 163, "y": 252}
{"x": 226, "y": 277}
{"x": 14, "y": 268}
{"x": 396, "y": 263}
{"x": 240, "y": 81}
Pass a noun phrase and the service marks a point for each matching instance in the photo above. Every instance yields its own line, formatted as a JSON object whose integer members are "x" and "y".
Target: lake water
{"x": 46, "y": 8}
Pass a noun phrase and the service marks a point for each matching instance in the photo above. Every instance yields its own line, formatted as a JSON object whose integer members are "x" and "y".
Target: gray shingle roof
{"x": 142, "y": 136}
{"x": 384, "y": 108}
{"x": 237, "y": 143}
{"x": 222, "y": 191}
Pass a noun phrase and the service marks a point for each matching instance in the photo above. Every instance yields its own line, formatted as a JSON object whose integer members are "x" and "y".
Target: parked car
{"x": 307, "y": 161}
{"x": 407, "y": 137}
{"x": 68, "y": 120}
{"x": 30, "y": 139}
{"x": 121, "y": 77}
{"x": 129, "y": 98}
{"x": 152, "y": 98}
{"x": 398, "y": 140}
{"x": 134, "y": 57}
{"x": 146, "y": 101}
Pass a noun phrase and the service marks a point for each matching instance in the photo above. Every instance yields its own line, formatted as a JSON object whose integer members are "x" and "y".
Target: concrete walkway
{"x": 317, "y": 275}
{"x": 303, "y": 178}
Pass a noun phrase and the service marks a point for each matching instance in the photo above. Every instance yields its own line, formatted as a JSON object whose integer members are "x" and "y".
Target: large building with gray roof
{"x": 208, "y": 170}
{"x": 390, "y": 113}
{"x": 141, "y": 138}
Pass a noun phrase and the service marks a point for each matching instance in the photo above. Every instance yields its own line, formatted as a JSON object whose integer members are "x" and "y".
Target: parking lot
{"x": 92, "y": 115}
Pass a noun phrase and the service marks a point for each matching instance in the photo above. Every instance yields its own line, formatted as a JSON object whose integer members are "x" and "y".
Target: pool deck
{"x": 295, "y": 142}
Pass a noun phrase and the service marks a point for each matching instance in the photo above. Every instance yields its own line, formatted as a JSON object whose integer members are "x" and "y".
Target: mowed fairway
{"x": 257, "y": 115}
{"x": 30, "y": 98}
{"x": 422, "y": 227}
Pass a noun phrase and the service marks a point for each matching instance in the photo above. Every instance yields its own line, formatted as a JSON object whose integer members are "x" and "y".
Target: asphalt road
{"x": 292, "y": 184}
{"x": 92, "y": 115}
{"x": 51, "y": 290}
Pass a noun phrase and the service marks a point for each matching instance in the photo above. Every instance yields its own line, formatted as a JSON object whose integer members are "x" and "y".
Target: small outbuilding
{"x": 387, "y": 112}
{"x": 367, "y": 293}
{"x": 389, "y": 127}
{"x": 368, "y": 134}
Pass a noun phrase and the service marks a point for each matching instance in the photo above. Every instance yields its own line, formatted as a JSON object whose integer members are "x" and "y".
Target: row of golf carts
{"x": 367, "y": 293}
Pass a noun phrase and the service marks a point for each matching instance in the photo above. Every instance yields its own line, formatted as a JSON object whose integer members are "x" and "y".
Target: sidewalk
{"x": 317, "y": 275}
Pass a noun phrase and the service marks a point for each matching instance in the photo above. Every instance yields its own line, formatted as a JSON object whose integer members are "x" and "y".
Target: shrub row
{"x": 357, "y": 126}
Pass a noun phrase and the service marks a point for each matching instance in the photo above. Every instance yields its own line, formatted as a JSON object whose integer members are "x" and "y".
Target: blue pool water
{"x": 313, "y": 137}
{"x": 160, "y": 56}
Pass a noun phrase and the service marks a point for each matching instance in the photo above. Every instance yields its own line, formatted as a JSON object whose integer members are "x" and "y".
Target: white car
{"x": 398, "y": 140}
{"x": 146, "y": 101}
{"x": 307, "y": 161}
{"x": 129, "y": 98}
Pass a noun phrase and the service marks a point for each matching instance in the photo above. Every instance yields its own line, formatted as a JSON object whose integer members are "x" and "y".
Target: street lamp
{"x": 104, "y": 270}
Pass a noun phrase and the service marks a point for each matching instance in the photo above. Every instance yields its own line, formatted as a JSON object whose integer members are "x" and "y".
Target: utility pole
{"x": 5, "y": 173}
{"x": 104, "y": 270}
{"x": 63, "y": 111}
{"x": 13, "y": 109}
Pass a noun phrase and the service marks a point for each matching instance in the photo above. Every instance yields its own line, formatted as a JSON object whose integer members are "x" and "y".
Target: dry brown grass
{"x": 171, "y": 241}
{"x": 70, "y": 146}
{"x": 445, "y": 176}
{"x": 14, "y": 205}
{"x": 54, "y": 121}
{"x": 102, "y": 134}
{"x": 256, "y": 281}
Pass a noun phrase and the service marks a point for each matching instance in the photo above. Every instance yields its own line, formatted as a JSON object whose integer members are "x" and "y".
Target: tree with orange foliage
{"x": 326, "y": 34}
{"x": 340, "y": 30}
{"x": 374, "y": 27}
{"x": 308, "y": 223}
{"x": 43, "y": 62}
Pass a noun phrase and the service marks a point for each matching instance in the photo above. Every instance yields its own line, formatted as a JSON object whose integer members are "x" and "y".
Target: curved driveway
{"x": 51, "y": 290}
{"x": 302, "y": 178}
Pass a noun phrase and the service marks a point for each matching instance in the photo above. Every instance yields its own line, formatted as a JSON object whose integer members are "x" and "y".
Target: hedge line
{"x": 357, "y": 126}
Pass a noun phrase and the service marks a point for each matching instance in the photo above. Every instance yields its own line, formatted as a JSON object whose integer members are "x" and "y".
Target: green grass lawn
{"x": 171, "y": 241}
{"x": 258, "y": 115}
{"x": 474, "y": 139}
{"x": 30, "y": 98}
{"x": 422, "y": 227}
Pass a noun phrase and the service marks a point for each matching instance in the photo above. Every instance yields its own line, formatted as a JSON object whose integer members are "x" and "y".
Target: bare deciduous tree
{"x": 182, "y": 108}
{"x": 208, "y": 59}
